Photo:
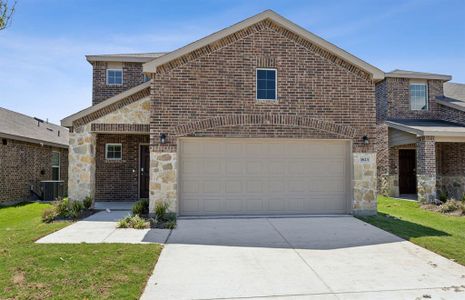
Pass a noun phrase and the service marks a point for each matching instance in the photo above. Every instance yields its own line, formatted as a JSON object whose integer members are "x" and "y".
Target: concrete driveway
{"x": 298, "y": 258}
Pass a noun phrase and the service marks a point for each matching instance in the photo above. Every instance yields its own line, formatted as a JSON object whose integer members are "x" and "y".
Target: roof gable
{"x": 310, "y": 40}
{"x": 107, "y": 106}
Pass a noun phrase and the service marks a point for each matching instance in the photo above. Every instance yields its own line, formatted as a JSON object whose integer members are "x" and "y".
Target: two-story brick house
{"x": 262, "y": 117}
{"x": 421, "y": 135}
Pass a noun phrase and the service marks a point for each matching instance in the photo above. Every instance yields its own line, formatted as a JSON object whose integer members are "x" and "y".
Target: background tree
{"x": 6, "y": 12}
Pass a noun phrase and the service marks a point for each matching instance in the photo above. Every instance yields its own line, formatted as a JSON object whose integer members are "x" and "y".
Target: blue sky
{"x": 43, "y": 71}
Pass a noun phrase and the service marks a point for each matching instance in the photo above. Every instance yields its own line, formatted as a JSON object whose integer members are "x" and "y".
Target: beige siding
{"x": 399, "y": 137}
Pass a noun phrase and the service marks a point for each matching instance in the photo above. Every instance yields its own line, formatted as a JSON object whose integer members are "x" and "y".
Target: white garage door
{"x": 263, "y": 176}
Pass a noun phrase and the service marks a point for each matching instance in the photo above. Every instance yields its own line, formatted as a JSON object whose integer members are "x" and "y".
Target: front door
{"x": 407, "y": 172}
{"x": 144, "y": 164}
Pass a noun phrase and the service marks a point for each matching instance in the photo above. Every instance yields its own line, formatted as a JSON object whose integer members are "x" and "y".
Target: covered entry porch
{"x": 122, "y": 166}
{"x": 426, "y": 159}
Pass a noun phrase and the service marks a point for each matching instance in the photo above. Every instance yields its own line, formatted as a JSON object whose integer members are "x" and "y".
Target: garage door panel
{"x": 275, "y": 168}
{"x": 255, "y": 176}
{"x": 213, "y": 186}
{"x": 254, "y": 186}
{"x": 253, "y": 205}
{"x": 233, "y": 167}
{"x": 212, "y": 205}
{"x": 212, "y": 166}
{"x": 234, "y": 205}
{"x": 234, "y": 186}
{"x": 276, "y": 204}
{"x": 191, "y": 205}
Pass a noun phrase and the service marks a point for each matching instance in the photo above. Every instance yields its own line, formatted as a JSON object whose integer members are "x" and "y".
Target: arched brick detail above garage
{"x": 266, "y": 119}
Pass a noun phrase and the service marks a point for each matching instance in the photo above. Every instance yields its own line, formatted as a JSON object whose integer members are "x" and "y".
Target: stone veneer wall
{"x": 426, "y": 169}
{"x": 163, "y": 179}
{"x": 82, "y": 148}
{"x": 81, "y": 178}
{"x": 364, "y": 183}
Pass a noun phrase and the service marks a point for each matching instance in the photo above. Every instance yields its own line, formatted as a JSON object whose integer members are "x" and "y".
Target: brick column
{"x": 426, "y": 168}
{"x": 382, "y": 159}
{"x": 163, "y": 179}
{"x": 81, "y": 170}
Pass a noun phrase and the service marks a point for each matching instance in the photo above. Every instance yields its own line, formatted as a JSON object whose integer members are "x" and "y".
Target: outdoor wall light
{"x": 162, "y": 138}
{"x": 365, "y": 140}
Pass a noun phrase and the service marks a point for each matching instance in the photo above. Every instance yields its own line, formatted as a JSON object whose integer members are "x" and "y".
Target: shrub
{"x": 442, "y": 195}
{"x": 141, "y": 207}
{"x": 124, "y": 222}
{"x": 139, "y": 223}
{"x": 171, "y": 224}
{"x": 49, "y": 214}
{"x": 450, "y": 206}
{"x": 87, "y": 202}
{"x": 75, "y": 209}
{"x": 135, "y": 222}
{"x": 62, "y": 207}
{"x": 161, "y": 209}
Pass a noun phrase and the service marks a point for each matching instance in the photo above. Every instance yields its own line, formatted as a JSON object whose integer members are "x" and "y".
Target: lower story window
{"x": 113, "y": 151}
{"x": 55, "y": 165}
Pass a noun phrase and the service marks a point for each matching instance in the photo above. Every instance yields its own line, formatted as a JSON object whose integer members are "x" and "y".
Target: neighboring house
{"x": 31, "y": 151}
{"x": 421, "y": 135}
{"x": 262, "y": 117}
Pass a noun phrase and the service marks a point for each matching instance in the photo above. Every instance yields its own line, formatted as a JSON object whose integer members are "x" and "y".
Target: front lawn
{"x": 434, "y": 231}
{"x": 72, "y": 271}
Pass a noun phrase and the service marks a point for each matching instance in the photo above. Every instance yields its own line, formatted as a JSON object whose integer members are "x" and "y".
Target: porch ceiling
{"x": 437, "y": 128}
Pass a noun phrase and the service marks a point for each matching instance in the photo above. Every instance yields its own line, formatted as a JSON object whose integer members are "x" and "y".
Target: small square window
{"x": 418, "y": 96}
{"x": 114, "y": 77}
{"x": 266, "y": 84}
{"x": 146, "y": 78}
{"x": 113, "y": 151}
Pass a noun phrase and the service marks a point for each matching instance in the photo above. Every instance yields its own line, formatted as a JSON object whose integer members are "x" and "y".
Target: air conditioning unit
{"x": 52, "y": 189}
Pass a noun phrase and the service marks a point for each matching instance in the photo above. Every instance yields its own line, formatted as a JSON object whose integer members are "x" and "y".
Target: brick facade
{"x": 393, "y": 100}
{"x": 222, "y": 83}
{"x": 451, "y": 114}
{"x": 118, "y": 180}
{"x": 132, "y": 76}
{"x": 319, "y": 96}
{"x": 24, "y": 164}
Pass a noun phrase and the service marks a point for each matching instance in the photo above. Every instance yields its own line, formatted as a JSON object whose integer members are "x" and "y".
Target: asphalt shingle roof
{"x": 13, "y": 124}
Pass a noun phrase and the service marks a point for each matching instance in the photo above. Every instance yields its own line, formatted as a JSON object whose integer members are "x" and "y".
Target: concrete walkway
{"x": 101, "y": 228}
{"x": 298, "y": 258}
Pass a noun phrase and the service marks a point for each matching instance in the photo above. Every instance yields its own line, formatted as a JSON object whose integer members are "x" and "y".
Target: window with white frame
{"x": 266, "y": 84}
{"x": 55, "y": 165}
{"x": 113, "y": 151}
{"x": 114, "y": 77}
{"x": 418, "y": 96}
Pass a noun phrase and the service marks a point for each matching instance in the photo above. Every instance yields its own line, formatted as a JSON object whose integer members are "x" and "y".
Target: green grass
{"x": 439, "y": 233}
{"x": 73, "y": 271}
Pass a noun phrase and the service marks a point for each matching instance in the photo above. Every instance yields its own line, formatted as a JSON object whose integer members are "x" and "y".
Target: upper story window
{"x": 266, "y": 84}
{"x": 113, "y": 151}
{"x": 146, "y": 78}
{"x": 114, "y": 77}
{"x": 418, "y": 96}
{"x": 55, "y": 165}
